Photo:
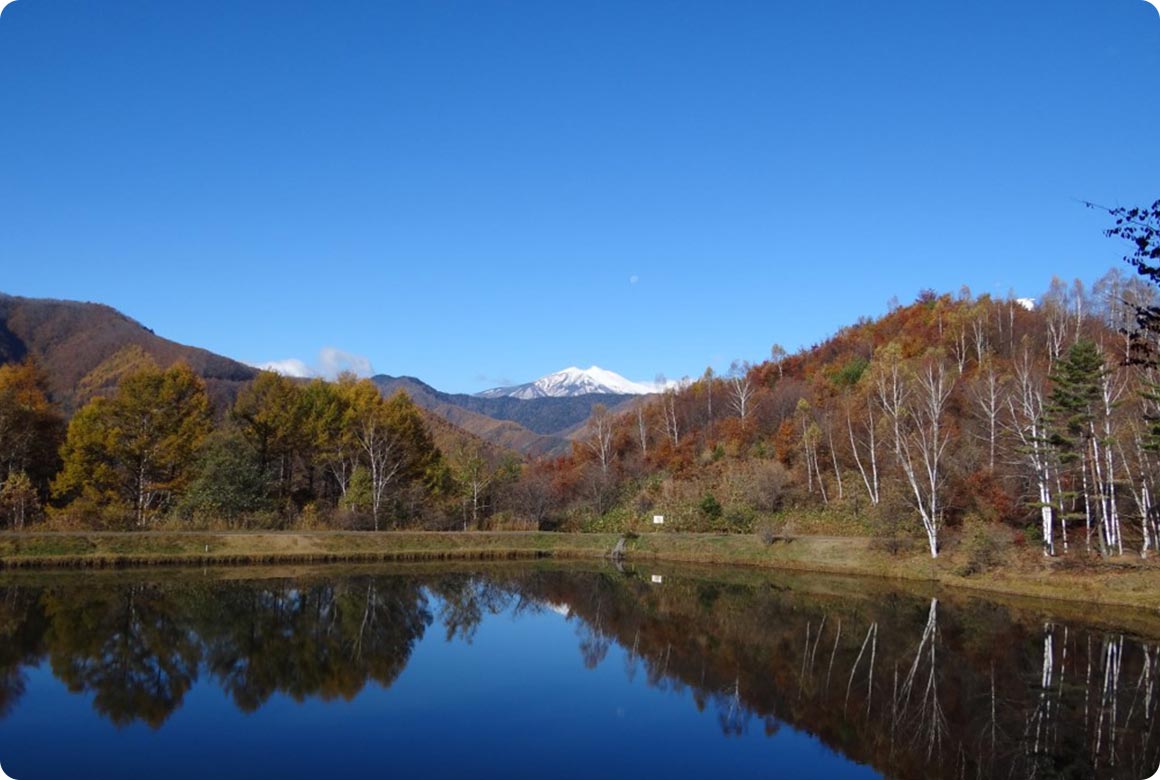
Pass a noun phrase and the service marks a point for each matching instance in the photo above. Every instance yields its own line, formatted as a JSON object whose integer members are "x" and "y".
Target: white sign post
{"x": 658, "y": 519}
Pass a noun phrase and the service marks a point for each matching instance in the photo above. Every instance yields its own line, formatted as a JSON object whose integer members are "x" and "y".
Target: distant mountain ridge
{"x": 85, "y": 349}
{"x": 573, "y": 382}
{"x": 539, "y": 426}
{"x": 89, "y": 345}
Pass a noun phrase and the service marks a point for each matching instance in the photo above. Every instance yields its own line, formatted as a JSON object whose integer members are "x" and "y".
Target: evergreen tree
{"x": 1071, "y": 411}
{"x": 230, "y": 481}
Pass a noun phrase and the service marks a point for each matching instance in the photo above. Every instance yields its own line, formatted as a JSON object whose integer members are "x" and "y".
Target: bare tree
{"x": 600, "y": 436}
{"x": 869, "y": 480}
{"x": 708, "y": 378}
{"x": 669, "y": 410}
{"x": 383, "y": 450}
{"x": 642, "y": 430}
{"x": 987, "y": 393}
{"x": 979, "y": 330}
{"x": 834, "y": 457}
{"x": 777, "y": 356}
{"x": 811, "y": 436}
{"x": 915, "y": 407}
{"x": 1055, "y": 306}
{"x": 741, "y": 389}
{"x": 1111, "y": 390}
{"x": 475, "y": 475}
{"x": 1026, "y": 409}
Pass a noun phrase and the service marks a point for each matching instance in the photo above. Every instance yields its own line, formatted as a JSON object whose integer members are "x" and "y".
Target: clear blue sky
{"x": 472, "y": 191}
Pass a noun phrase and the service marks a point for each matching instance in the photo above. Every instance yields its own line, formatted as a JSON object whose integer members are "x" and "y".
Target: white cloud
{"x": 660, "y": 384}
{"x": 331, "y": 362}
{"x": 633, "y": 279}
{"x": 289, "y": 367}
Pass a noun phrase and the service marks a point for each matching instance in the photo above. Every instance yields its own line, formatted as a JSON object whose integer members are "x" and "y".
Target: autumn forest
{"x": 1001, "y": 421}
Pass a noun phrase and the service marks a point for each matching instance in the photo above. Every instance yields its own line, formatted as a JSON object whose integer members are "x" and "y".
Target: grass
{"x": 1126, "y": 581}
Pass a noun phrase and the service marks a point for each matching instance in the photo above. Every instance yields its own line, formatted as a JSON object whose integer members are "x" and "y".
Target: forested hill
{"x": 85, "y": 348}
{"x": 953, "y": 408}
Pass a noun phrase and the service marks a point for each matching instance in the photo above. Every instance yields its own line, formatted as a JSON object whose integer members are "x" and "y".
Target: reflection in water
{"x": 914, "y": 687}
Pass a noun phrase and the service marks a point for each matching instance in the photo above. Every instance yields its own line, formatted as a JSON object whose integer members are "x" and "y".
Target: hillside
{"x": 451, "y": 438}
{"x": 997, "y": 419}
{"x": 85, "y": 347}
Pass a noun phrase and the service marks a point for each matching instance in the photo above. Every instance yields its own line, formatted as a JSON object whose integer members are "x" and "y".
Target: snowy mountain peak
{"x": 572, "y": 382}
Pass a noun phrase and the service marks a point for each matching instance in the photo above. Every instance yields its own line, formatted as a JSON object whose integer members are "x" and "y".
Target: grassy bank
{"x": 1124, "y": 582}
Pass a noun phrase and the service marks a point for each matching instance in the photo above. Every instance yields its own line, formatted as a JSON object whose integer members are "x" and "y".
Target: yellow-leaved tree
{"x": 132, "y": 452}
{"x": 31, "y": 429}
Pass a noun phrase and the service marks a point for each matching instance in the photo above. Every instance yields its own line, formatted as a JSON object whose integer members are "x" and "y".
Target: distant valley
{"x": 536, "y": 425}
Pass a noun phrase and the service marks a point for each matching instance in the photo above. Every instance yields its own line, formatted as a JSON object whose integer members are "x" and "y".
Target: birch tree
{"x": 987, "y": 393}
{"x": 915, "y": 406}
{"x": 474, "y": 475}
{"x": 1027, "y": 423}
{"x": 599, "y": 438}
{"x": 392, "y": 441}
{"x": 740, "y": 389}
{"x": 641, "y": 430}
{"x": 870, "y": 443}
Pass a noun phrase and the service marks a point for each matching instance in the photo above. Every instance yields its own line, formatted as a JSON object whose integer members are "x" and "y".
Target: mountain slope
{"x": 502, "y": 433}
{"x": 85, "y": 348}
{"x": 89, "y": 345}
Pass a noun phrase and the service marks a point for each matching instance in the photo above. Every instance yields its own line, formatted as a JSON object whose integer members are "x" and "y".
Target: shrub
{"x": 984, "y": 548}
{"x": 738, "y": 520}
{"x": 764, "y": 486}
{"x": 766, "y": 534}
{"x": 710, "y": 507}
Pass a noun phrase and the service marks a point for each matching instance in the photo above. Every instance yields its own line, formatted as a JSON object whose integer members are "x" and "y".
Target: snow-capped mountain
{"x": 572, "y": 382}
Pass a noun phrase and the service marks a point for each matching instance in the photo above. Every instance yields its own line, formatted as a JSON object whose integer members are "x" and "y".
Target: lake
{"x": 552, "y": 670}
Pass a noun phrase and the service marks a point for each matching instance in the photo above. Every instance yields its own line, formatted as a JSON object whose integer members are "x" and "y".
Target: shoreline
{"x": 1121, "y": 582}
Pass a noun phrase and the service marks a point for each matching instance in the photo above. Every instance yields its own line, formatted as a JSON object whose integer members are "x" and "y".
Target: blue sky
{"x": 473, "y": 191}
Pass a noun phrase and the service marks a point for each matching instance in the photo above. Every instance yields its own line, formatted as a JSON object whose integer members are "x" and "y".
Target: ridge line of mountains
{"x": 85, "y": 348}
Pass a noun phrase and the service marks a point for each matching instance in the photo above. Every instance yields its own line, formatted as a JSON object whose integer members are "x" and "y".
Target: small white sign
{"x": 658, "y": 519}
{"x": 657, "y": 579}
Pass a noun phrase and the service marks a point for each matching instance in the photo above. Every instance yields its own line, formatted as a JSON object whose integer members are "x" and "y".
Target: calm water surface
{"x": 558, "y": 672}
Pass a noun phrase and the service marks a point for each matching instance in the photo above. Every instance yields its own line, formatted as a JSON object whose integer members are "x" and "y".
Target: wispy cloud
{"x": 660, "y": 384}
{"x": 331, "y": 362}
{"x": 493, "y": 381}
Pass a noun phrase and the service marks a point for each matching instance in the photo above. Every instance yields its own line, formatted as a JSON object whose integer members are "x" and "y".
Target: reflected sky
{"x": 563, "y": 672}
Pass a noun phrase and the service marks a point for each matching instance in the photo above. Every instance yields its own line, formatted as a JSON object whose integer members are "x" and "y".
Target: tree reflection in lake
{"x": 914, "y": 686}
